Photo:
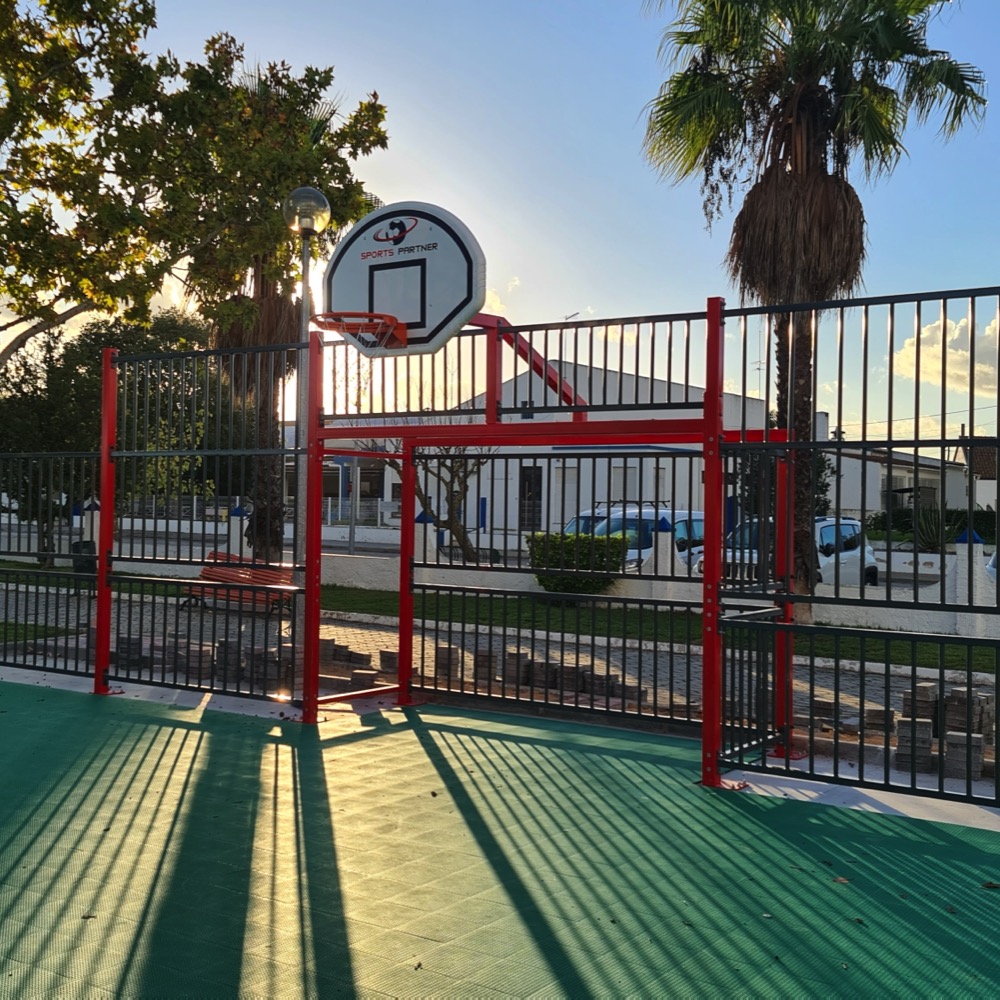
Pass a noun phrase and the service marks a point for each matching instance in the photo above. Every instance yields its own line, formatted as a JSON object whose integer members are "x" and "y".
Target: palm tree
{"x": 780, "y": 98}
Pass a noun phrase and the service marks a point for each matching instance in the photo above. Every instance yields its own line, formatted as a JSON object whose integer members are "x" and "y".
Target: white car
{"x": 991, "y": 567}
{"x": 639, "y": 523}
{"x": 842, "y": 555}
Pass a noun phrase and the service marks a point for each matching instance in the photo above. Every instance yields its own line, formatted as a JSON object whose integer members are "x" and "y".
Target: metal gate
{"x": 877, "y": 670}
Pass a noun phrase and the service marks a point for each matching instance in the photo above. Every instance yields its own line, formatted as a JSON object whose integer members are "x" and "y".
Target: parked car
{"x": 991, "y": 567}
{"x": 640, "y": 523}
{"x": 841, "y": 551}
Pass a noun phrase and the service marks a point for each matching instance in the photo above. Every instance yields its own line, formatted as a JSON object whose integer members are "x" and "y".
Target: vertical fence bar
{"x": 314, "y": 536}
{"x": 106, "y": 528}
{"x": 407, "y": 540}
{"x": 711, "y": 712}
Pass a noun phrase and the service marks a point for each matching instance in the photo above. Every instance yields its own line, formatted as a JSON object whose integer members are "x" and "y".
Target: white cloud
{"x": 945, "y": 354}
{"x": 494, "y": 306}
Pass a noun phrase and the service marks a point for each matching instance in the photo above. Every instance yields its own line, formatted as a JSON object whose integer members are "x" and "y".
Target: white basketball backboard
{"x": 413, "y": 261}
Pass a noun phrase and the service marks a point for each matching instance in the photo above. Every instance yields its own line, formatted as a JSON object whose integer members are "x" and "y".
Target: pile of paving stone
{"x": 922, "y": 703}
{"x": 963, "y": 756}
{"x": 914, "y": 745}
{"x": 346, "y": 669}
{"x": 972, "y": 711}
{"x": 879, "y": 720}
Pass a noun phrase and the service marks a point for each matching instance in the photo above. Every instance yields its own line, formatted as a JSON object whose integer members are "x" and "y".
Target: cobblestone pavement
{"x": 669, "y": 675}
{"x": 674, "y": 670}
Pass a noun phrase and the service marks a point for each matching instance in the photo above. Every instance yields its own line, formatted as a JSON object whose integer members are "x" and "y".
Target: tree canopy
{"x": 50, "y": 393}
{"x": 120, "y": 168}
{"x": 780, "y": 98}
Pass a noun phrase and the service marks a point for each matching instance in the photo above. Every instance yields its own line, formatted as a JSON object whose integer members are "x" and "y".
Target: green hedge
{"x": 594, "y": 563}
{"x": 984, "y": 522}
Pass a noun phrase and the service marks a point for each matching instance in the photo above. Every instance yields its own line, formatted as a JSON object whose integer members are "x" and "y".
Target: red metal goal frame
{"x": 706, "y": 430}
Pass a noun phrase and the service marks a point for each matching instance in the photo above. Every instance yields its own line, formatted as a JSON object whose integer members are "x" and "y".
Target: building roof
{"x": 981, "y": 457}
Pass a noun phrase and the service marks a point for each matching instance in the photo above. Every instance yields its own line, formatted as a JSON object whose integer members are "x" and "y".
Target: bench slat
{"x": 249, "y": 584}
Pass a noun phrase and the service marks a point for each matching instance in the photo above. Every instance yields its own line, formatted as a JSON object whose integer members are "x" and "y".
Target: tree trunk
{"x": 460, "y": 536}
{"x": 265, "y": 531}
{"x": 795, "y": 413}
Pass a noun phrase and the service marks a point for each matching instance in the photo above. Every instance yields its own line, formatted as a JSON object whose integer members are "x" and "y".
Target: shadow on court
{"x": 151, "y": 850}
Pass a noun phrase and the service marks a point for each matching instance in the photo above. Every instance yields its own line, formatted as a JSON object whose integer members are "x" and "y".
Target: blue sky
{"x": 525, "y": 119}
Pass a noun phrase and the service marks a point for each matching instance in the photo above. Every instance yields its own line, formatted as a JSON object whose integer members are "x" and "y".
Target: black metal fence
{"x": 884, "y": 666}
{"x": 204, "y": 461}
{"x": 896, "y": 628}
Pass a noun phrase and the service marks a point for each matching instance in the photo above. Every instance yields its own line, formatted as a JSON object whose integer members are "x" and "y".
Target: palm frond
{"x": 797, "y": 238}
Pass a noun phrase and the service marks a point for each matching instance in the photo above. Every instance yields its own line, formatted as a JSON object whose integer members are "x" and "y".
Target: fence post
{"x": 711, "y": 691}
{"x": 407, "y": 543}
{"x": 494, "y": 373}
{"x": 106, "y": 528}
{"x": 314, "y": 536}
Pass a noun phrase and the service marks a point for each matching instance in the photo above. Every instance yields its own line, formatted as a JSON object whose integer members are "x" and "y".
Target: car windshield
{"x": 743, "y": 536}
{"x": 689, "y": 531}
{"x": 639, "y": 532}
{"x": 582, "y": 524}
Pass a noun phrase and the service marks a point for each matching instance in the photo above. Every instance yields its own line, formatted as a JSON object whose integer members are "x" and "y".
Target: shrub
{"x": 929, "y": 529}
{"x": 984, "y": 523}
{"x": 583, "y": 564}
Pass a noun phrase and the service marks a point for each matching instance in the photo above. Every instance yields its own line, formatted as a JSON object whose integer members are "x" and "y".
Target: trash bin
{"x": 84, "y": 557}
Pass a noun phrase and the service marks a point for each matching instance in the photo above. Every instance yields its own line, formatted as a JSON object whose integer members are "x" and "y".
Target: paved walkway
{"x": 166, "y": 850}
{"x": 819, "y": 681}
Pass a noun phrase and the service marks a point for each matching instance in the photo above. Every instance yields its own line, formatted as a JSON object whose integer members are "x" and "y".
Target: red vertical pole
{"x": 784, "y": 520}
{"x": 494, "y": 349}
{"x": 407, "y": 543}
{"x": 314, "y": 536}
{"x": 711, "y": 687}
{"x": 106, "y": 527}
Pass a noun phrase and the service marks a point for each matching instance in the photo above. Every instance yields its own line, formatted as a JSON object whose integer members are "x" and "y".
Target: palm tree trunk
{"x": 795, "y": 413}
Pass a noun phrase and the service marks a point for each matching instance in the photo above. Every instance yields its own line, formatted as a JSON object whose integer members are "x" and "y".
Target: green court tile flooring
{"x": 155, "y": 851}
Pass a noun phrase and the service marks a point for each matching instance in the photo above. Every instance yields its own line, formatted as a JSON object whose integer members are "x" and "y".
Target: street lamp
{"x": 307, "y": 213}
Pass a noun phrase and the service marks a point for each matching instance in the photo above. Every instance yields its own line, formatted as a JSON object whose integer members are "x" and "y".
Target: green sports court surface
{"x": 153, "y": 850}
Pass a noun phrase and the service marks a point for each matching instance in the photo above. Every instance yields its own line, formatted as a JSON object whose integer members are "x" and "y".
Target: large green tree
{"x": 279, "y": 126}
{"x": 780, "y": 100}
{"x": 119, "y": 168}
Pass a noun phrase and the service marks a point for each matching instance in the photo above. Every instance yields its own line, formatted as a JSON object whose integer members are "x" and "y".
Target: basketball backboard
{"x": 413, "y": 261}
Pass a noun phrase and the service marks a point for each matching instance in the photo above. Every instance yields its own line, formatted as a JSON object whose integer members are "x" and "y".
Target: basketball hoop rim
{"x": 385, "y": 328}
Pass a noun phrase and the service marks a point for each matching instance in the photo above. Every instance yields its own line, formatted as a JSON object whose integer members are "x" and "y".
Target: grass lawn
{"x": 29, "y": 632}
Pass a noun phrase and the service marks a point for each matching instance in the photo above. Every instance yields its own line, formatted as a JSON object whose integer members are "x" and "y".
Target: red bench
{"x": 258, "y": 586}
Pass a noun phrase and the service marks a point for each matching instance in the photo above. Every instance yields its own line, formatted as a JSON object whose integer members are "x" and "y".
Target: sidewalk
{"x": 152, "y": 845}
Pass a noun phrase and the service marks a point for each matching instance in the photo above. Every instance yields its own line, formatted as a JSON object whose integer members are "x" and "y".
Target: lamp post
{"x": 307, "y": 213}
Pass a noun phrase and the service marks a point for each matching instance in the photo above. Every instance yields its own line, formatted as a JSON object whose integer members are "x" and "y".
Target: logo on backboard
{"x": 396, "y": 231}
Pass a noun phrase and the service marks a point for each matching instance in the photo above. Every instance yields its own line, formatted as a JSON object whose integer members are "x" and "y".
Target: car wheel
{"x": 871, "y": 576}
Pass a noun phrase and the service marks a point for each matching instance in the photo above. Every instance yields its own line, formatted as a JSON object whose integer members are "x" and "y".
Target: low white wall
{"x": 983, "y": 592}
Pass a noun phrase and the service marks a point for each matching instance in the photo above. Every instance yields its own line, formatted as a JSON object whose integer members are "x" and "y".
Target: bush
{"x": 587, "y": 564}
{"x": 929, "y": 527}
{"x": 984, "y": 523}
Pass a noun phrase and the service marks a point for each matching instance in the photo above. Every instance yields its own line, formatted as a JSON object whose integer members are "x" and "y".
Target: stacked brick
{"x": 963, "y": 756}
{"x": 968, "y": 710}
{"x": 922, "y": 703}
{"x": 879, "y": 720}
{"x": 914, "y": 745}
